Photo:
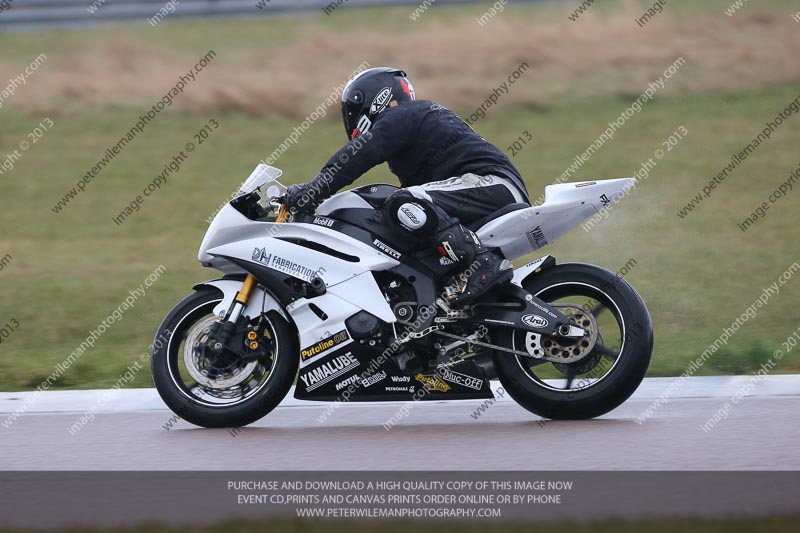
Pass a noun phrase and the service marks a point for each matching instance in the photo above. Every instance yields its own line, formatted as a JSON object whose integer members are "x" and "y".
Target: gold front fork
{"x": 247, "y": 289}
{"x": 283, "y": 214}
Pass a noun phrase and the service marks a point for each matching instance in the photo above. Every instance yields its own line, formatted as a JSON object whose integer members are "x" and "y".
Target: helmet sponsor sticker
{"x": 380, "y": 101}
{"x": 324, "y": 344}
{"x": 363, "y": 126}
{"x": 407, "y": 88}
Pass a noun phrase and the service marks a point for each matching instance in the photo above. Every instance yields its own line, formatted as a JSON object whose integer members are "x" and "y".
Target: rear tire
{"x": 599, "y": 394}
{"x": 170, "y": 379}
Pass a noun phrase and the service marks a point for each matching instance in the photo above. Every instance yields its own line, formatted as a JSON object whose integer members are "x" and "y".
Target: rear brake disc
{"x": 562, "y": 350}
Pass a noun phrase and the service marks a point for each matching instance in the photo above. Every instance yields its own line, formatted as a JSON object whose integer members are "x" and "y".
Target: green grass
{"x": 70, "y": 270}
{"x": 697, "y": 275}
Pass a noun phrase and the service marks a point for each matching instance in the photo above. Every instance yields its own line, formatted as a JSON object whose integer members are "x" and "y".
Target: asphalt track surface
{"x": 760, "y": 433}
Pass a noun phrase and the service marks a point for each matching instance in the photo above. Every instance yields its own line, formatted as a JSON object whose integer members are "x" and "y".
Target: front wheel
{"x": 594, "y": 375}
{"x": 221, "y": 390}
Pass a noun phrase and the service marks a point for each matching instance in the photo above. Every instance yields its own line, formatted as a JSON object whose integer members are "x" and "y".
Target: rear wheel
{"x": 221, "y": 390}
{"x": 590, "y": 376}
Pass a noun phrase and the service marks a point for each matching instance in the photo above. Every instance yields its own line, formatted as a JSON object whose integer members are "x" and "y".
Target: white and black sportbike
{"x": 342, "y": 296}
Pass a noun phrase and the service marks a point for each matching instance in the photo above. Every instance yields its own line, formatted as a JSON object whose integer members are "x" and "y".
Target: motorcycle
{"x": 340, "y": 302}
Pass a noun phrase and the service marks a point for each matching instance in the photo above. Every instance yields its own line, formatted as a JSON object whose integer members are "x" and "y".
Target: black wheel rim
{"x": 223, "y": 381}
{"x": 604, "y": 356}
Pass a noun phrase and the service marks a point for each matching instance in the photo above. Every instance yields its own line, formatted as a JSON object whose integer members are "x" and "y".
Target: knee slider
{"x": 413, "y": 214}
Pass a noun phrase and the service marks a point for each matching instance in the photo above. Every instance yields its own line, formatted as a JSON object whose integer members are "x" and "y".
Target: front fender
{"x": 524, "y": 272}
{"x": 260, "y": 301}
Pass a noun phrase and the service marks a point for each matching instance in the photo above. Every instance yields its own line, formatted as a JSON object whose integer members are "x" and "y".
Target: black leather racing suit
{"x": 448, "y": 173}
{"x": 424, "y": 143}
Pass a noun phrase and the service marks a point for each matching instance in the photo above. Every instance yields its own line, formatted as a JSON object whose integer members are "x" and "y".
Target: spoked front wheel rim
{"x": 216, "y": 381}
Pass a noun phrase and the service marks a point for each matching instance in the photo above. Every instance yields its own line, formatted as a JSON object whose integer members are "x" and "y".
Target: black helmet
{"x": 369, "y": 93}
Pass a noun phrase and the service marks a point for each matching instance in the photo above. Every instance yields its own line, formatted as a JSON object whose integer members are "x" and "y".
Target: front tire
{"x": 232, "y": 394}
{"x": 609, "y": 374}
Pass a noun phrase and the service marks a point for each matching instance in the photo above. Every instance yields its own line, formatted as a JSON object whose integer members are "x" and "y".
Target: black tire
{"x": 626, "y": 372}
{"x": 190, "y": 407}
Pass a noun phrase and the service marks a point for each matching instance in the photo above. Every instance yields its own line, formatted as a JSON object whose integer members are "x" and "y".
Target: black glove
{"x": 297, "y": 198}
{"x": 305, "y": 197}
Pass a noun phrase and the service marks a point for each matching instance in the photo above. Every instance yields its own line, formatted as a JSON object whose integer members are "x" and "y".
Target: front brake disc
{"x": 198, "y": 364}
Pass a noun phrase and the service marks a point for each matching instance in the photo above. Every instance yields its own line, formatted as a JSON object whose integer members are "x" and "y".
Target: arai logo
{"x": 534, "y": 321}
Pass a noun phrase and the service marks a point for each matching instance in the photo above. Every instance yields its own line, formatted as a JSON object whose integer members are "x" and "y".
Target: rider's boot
{"x": 484, "y": 268}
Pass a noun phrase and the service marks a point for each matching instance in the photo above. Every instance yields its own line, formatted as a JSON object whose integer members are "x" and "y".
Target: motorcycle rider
{"x": 448, "y": 174}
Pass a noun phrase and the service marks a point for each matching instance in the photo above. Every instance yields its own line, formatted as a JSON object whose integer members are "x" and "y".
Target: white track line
{"x": 124, "y": 400}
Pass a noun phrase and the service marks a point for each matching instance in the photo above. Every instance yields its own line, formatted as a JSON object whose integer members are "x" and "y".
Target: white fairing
{"x": 339, "y": 303}
{"x": 305, "y": 264}
{"x": 565, "y": 206}
{"x": 349, "y": 282}
{"x": 225, "y": 227}
{"x": 230, "y": 228}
